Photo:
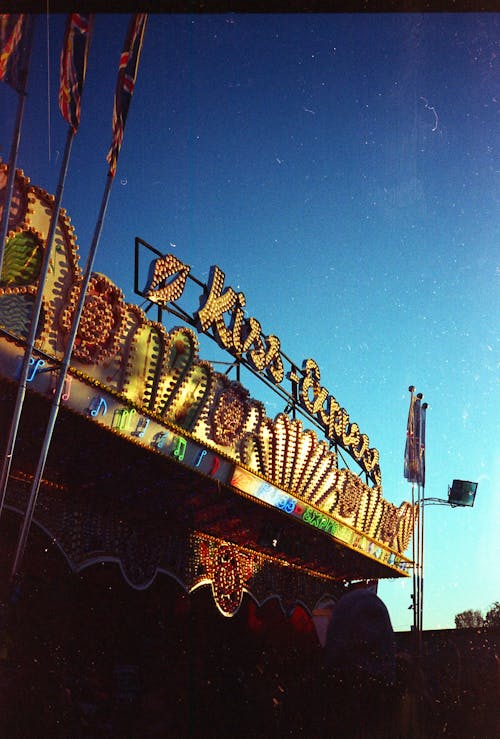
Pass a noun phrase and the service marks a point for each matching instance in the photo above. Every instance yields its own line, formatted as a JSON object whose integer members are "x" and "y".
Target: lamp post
{"x": 461, "y": 494}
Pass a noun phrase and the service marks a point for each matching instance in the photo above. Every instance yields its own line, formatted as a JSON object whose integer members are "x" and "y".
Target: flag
{"x": 127, "y": 71}
{"x": 16, "y": 31}
{"x": 414, "y": 450}
{"x": 73, "y": 66}
{"x": 409, "y": 465}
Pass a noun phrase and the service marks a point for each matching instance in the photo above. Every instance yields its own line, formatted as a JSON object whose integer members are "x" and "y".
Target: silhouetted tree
{"x": 469, "y": 619}
{"x": 493, "y": 615}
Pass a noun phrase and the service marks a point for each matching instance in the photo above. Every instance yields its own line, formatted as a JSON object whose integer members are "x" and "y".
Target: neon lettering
{"x": 215, "y": 466}
{"x": 281, "y": 504}
{"x": 180, "y": 448}
{"x": 308, "y": 515}
{"x": 141, "y": 427}
{"x": 67, "y": 387}
{"x": 200, "y": 456}
{"x": 98, "y": 404}
{"x": 286, "y": 504}
{"x": 159, "y": 439}
{"x": 35, "y": 367}
{"x": 121, "y": 417}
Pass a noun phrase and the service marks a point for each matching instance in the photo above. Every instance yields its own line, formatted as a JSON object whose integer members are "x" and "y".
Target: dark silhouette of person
{"x": 360, "y": 669}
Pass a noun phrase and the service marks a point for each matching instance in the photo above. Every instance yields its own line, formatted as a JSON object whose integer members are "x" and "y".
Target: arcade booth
{"x": 171, "y": 505}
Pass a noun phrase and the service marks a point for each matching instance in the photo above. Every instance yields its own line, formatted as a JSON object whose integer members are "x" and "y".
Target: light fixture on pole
{"x": 461, "y": 494}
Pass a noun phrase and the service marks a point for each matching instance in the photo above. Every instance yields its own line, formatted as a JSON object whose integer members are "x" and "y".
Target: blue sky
{"x": 342, "y": 171}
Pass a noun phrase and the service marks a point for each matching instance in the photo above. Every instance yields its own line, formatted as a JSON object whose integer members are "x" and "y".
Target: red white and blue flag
{"x": 16, "y": 31}
{"x": 74, "y": 66}
{"x": 127, "y": 72}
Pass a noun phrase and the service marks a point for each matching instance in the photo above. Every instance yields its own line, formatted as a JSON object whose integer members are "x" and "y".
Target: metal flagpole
{"x": 410, "y": 475}
{"x": 28, "y": 517}
{"x": 127, "y": 70}
{"x": 30, "y": 341}
{"x": 419, "y": 568}
{"x": 416, "y": 568}
{"x": 422, "y": 482}
{"x": 414, "y": 472}
{"x": 413, "y": 556}
{"x": 422, "y": 565}
{"x": 14, "y": 149}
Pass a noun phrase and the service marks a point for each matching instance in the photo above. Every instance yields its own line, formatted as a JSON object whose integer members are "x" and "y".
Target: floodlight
{"x": 462, "y": 493}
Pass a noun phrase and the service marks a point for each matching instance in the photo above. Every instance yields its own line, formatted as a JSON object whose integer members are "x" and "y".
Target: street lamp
{"x": 462, "y": 493}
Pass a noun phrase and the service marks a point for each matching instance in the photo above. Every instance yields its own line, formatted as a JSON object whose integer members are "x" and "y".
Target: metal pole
{"x": 419, "y": 569}
{"x": 28, "y": 516}
{"x": 30, "y": 341}
{"x": 423, "y": 414}
{"x": 422, "y": 566}
{"x": 413, "y": 556}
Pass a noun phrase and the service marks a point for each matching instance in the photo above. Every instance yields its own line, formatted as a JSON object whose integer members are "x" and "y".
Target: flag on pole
{"x": 127, "y": 71}
{"x": 412, "y": 448}
{"x": 74, "y": 66}
{"x": 16, "y": 30}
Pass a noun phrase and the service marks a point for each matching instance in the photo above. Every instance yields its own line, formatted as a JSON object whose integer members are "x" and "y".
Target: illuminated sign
{"x": 267, "y": 493}
{"x": 143, "y": 381}
{"x": 221, "y": 311}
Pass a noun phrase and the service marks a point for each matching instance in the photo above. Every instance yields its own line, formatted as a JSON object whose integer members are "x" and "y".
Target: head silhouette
{"x": 360, "y": 638}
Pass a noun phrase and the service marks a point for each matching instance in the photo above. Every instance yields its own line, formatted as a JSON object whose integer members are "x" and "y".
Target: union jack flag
{"x": 127, "y": 72}
{"x": 74, "y": 66}
{"x": 16, "y": 30}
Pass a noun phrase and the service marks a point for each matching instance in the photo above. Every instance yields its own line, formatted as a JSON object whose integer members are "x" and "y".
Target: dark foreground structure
{"x": 85, "y": 655}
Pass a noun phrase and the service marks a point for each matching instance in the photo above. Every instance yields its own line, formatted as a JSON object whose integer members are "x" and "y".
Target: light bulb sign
{"x": 146, "y": 382}
{"x": 221, "y": 315}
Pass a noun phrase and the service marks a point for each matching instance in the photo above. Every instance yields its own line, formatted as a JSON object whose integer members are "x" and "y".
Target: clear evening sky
{"x": 342, "y": 171}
